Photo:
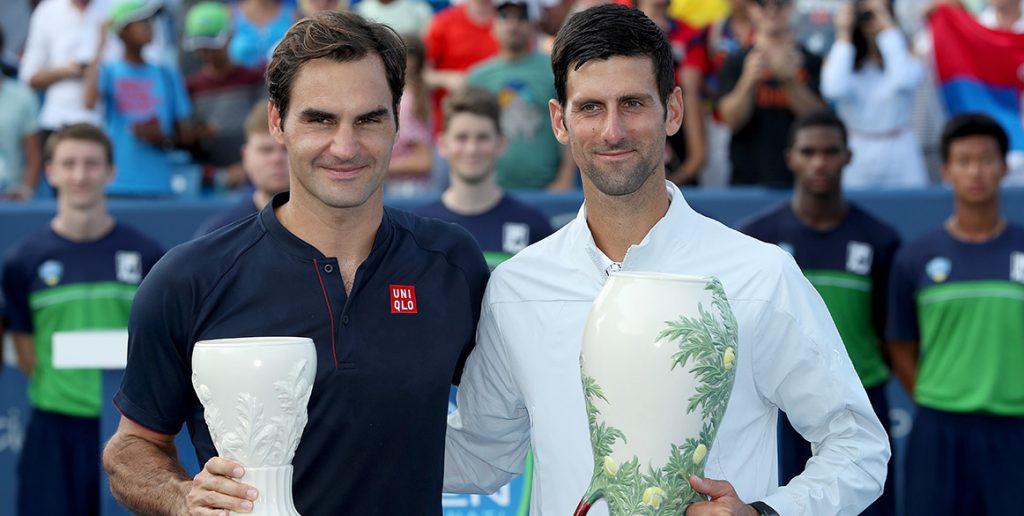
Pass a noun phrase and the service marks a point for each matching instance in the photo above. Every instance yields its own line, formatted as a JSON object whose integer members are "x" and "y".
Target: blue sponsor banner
{"x": 512, "y": 499}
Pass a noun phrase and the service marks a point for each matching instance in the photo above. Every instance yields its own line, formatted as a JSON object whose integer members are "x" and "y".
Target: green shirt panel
{"x": 972, "y": 347}
{"x": 848, "y": 298}
{"x": 495, "y": 258}
{"x": 524, "y": 87}
{"x": 74, "y": 307}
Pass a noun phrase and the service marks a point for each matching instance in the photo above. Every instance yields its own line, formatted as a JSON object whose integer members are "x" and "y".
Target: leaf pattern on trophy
{"x": 293, "y": 395}
{"x": 211, "y": 414}
{"x": 255, "y": 438}
{"x": 709, "y": 343}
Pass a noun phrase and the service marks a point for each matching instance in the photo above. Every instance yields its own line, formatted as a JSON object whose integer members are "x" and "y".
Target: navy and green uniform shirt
{"x": 502, "y": 231}
{"x": 964, "y": 304}
{"x": 55, "y": 285}
{"x": 849, "y": 266}
{"x": 387, "y": 354}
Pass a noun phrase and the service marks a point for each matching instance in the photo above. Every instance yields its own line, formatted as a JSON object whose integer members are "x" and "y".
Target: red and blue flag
{"x": 980, "y": 69}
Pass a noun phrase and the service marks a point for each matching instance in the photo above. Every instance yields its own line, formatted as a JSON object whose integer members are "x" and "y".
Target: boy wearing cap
{"x": 146, "y": 107}
{"x": 221, "y": 91}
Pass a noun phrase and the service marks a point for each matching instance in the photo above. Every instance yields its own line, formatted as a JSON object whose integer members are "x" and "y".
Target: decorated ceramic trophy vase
{"x": 658, "y": 363}
{"x": 254, "y": 393}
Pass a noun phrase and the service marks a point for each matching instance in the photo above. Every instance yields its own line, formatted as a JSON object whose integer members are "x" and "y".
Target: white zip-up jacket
{"x": 521, "y": 386}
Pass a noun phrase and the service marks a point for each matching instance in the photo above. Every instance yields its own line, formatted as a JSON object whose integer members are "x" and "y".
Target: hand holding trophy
{"x": 254, "y": 392}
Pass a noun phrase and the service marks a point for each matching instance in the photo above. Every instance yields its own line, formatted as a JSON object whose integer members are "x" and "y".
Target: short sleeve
{"x": 901, "y": 322}
{"x": 15, "y": 283}
{"x": 105, "y": 81}
{"x": 156, "y": 390}
{"x": 881, "y": 272}
{"x": 36, "y": 58}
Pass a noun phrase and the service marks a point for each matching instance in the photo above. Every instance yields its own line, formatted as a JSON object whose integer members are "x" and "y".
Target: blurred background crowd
{"x": 173, "y": 93}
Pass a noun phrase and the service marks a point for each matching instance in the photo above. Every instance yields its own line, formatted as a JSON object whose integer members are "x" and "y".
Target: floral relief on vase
{"x": 702, "y": 345}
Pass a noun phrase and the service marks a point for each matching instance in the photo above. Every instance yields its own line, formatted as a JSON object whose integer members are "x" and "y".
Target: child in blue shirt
{"x": 146, "y": 107}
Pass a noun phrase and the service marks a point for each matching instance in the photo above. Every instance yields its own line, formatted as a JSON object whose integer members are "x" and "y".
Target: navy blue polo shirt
{"x": 374, "y": 444}
{"x": 502, "y": 231}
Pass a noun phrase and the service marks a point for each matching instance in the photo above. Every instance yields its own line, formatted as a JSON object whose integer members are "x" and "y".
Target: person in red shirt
{"x": 458, "y": 37}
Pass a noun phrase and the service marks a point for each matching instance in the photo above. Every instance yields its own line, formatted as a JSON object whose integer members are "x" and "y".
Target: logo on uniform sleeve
{"x": 51, "y": 271}
{"x": 858, "y": 257}
{"x": 128, "y": 266}
{"x": 515, "y": 236}
{"x": 938, "y": 269}
{"x": 403, "y": 299}
{"x": 1017, "y": 267}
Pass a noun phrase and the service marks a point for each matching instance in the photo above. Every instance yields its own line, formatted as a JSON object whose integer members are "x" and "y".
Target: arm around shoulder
{"x": 488, "y": 436}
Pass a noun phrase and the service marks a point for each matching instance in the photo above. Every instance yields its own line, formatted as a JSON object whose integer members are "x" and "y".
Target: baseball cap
{"x": 129, "y": 11}
{"x": 207, "y": 25}
{"x": 532, "y": 11}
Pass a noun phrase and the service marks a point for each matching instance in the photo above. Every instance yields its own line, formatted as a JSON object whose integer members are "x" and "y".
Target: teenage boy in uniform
{"x": 956, "y": 330}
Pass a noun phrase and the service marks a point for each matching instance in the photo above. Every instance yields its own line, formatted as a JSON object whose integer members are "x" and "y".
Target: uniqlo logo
{"x": 403, "y": 299}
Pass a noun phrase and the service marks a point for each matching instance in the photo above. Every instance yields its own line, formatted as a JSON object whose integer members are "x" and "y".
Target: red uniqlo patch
{"x": 403, "y": 299}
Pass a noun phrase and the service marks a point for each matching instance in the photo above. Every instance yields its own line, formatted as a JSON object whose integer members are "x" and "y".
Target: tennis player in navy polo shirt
{"x": 325, "y": 261}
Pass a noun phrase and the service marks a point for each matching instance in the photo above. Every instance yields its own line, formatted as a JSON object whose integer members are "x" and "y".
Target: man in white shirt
{"x": 521, "y": 386}
{"x": 53, "y": 62}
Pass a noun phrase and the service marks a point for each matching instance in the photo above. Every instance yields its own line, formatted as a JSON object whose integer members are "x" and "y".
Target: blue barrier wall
{"x": 912, "y": 213}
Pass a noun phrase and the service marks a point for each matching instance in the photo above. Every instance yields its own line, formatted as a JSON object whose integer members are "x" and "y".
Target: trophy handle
{"x": 584, "y": 507}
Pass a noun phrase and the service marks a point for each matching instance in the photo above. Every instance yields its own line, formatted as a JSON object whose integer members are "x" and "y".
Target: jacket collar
{"x": 671, "y": 235}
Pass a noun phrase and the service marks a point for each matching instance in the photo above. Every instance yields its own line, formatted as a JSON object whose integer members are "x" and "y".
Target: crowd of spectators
{"x": 171, "y": 82}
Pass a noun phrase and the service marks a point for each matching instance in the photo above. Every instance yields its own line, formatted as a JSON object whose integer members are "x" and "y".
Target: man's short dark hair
{"x": 818, "y": 118}
{"x": 973, "y": 124}
{"x": 473, "y": 100}
{"x": 607, "y": 31}
{"x": 338, "y": 36}
{"x": 82, "y": 132}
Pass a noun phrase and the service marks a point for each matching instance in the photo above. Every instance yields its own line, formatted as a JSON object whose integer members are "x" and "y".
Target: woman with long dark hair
{"x": 870, "y": 76}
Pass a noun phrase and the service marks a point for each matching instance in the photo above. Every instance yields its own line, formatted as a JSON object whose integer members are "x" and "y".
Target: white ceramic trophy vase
{"x": 254, "y": 392}
{"x": 658, "y": 363}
